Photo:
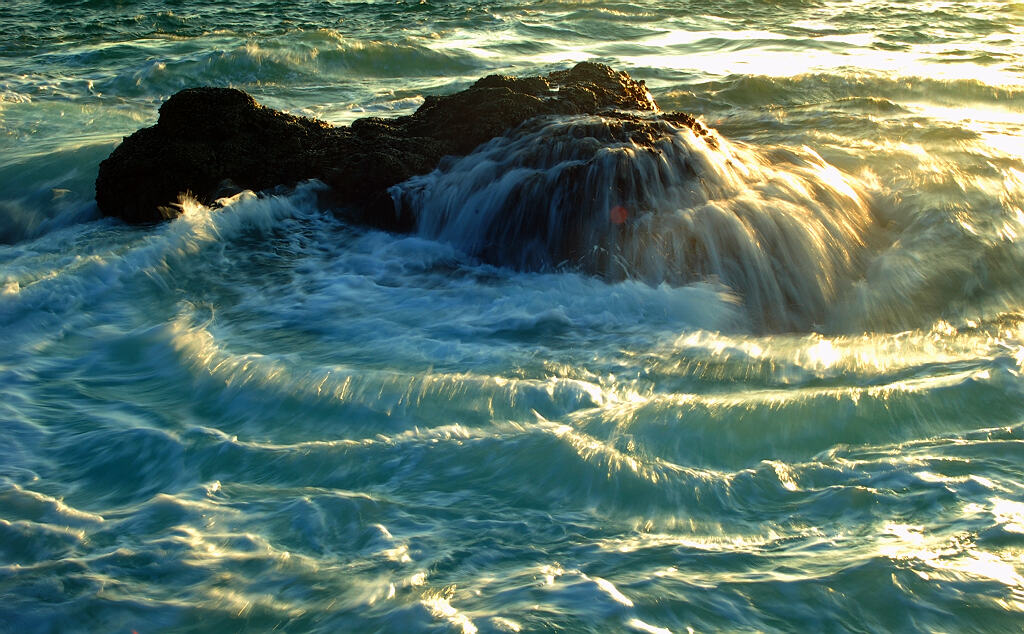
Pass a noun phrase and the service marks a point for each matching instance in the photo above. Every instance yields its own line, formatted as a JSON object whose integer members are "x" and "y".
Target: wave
{"x": 44, "y": 193}
{"x": 630, "y": 198}
{"x": 876, "y": 92}
{"x": 956, "y": 258}
{"x": 309, "y": 58}
{"x": 54, "y": 281}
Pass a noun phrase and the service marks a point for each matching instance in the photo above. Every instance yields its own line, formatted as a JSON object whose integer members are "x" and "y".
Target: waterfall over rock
{"x": 638, "y": 196}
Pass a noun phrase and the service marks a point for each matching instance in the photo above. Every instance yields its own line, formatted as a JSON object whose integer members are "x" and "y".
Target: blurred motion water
{"x": 261, "y": 417}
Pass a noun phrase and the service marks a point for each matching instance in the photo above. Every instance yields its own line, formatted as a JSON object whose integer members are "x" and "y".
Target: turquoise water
{"x": 260, "y": 417}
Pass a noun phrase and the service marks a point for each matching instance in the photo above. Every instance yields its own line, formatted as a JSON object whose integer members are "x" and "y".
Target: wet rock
{"x": 208, "y": 136}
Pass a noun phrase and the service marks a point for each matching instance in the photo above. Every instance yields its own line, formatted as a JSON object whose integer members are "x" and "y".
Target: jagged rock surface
{"x": 207, "y": 136}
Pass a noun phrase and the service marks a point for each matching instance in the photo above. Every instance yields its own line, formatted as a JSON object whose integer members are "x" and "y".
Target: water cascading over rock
{"x": 576, "y": 170}
{"x": 637, "y": 196}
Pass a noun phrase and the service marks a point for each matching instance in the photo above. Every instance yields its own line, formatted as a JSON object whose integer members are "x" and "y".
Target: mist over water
{"x": 769, "y": 380}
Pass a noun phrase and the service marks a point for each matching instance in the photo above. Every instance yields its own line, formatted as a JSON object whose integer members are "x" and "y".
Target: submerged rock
{"x": 206, "y": 137}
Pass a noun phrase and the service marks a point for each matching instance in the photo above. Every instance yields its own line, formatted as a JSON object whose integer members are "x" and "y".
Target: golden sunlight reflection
{"x": 773, "y": 58}
{"x": 241, "y": 604}
{"x": 942, "y": 555}
{"x": 438, "y": 604}
{"x": 829, "y": 356}
{"x": 710, "y": 539}
{"x": 642, "y": 626}
{"x": 598, "y": 452}
{"x": 549, "y": 573}
{"x": 386, "y": 391}
{"x": 822, "y": 355}
{"x": 999, "y": 128}
{"x": 602, "y": 454}
{"x": 1009, "y": 514}
{"x": 609, "y": 588}
{"x": 469, "y": 42}
{"x": 786, "y": 475}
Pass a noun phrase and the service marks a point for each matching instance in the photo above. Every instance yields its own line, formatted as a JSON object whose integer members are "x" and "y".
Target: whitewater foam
{"x": 647, "y": 200}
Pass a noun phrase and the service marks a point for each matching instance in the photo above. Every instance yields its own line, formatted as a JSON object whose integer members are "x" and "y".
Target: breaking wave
{"x": 642, "y": 198}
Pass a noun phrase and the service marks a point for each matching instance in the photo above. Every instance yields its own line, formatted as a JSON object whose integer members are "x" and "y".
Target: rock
{"x": 206, "y": 137}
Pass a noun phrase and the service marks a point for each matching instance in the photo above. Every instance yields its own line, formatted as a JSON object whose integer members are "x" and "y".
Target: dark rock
{"x": 205, "y": 136}
{"x": 211, "y": 140}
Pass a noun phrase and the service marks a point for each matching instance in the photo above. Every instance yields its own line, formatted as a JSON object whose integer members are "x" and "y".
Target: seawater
{"x": 260, "y": 417}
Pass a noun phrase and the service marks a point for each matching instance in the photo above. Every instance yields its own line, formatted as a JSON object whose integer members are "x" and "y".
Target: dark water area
{"x": 791, "y": 401}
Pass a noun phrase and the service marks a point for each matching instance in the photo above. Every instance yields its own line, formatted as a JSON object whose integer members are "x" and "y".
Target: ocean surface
{"x": 792, "y": 401}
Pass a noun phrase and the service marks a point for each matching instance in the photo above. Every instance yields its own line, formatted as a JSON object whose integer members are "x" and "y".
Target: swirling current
{"x": 771, "y": 383}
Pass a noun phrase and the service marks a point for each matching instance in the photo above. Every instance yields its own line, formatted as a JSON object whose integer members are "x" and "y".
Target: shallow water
{"x": 262, "y": 417}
